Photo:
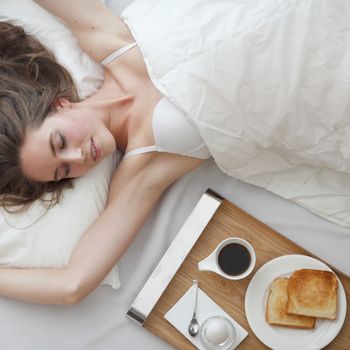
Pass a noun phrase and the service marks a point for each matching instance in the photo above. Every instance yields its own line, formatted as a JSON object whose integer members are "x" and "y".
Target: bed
{"x": 100, "y": 322}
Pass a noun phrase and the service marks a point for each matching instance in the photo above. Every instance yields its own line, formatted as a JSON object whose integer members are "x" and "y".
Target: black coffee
{"x": 234, "y": 259}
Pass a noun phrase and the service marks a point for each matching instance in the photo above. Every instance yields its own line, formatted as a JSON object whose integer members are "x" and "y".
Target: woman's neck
{"x": 113, "y": 106}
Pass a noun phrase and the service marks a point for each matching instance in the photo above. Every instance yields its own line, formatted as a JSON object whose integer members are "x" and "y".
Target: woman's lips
{"x": 95, "y": 152}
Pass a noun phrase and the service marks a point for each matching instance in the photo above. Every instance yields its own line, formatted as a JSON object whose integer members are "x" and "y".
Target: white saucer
{"x": 281, "y": 338}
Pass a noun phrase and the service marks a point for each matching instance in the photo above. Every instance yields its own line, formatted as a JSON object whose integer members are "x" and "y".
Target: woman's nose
{"x": 73, "y": 156}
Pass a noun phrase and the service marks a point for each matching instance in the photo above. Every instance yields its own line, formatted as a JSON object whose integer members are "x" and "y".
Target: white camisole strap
{"x": 118, "y": 53}
{"x": 140, "y": 150}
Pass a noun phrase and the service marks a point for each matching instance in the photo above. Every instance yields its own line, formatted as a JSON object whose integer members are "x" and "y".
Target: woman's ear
{"x": 62, "y": 102}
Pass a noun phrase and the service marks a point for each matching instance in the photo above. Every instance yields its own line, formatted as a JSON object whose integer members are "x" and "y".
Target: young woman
{"x": 279, "y": 120}
{"x": 41, "y": 154}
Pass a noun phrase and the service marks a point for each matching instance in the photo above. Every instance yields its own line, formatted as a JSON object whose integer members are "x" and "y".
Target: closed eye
{"x": 63, "y": 142}
{"x": 67, "y": 170}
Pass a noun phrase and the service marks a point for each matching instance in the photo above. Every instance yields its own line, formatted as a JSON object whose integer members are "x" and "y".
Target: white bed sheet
{"x": 99, "y": 322}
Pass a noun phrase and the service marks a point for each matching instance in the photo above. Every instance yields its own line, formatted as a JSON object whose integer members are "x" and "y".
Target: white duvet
{"x": 267, "y": 86}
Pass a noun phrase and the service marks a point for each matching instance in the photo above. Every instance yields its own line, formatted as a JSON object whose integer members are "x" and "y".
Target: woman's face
{"x": 66, "y": 145}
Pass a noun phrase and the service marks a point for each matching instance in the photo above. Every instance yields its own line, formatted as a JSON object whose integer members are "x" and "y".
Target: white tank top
{"x": 173, "y": 132}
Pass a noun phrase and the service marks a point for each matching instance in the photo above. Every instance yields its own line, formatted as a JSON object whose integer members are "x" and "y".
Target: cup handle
{"x": 205, "y": 265}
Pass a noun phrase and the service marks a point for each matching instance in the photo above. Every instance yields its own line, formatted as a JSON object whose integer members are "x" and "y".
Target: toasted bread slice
{"x": 313, "y": 293}
{"x": 276, "y": 313}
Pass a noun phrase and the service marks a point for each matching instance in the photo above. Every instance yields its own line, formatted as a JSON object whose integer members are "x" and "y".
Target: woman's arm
{"x": 131, "y": 199}
{"x": 98, "y": 30}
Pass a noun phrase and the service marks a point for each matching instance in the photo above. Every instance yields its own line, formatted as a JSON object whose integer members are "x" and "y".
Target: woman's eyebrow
{"x": 55, "y": 175}
{"x": 52, "y": 145}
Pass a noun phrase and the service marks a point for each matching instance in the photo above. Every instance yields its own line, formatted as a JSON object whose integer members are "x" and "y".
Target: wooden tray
{"x": 228, "y": 221}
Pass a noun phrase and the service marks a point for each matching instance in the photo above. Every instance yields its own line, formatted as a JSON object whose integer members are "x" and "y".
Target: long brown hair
{"x": 30, "y": 82}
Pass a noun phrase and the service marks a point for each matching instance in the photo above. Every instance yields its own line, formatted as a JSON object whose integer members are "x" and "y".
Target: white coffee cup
{"x": 211, "y": 263}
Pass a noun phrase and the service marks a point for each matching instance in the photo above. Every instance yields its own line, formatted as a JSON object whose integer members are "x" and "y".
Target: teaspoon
{"x": 193, "y": 327}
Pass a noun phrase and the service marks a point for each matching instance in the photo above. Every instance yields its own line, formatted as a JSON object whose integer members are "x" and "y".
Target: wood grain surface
{"x": 230, "y": 221}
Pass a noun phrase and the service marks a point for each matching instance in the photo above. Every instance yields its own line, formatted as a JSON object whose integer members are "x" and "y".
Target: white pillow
{"x": 36, "y": 238}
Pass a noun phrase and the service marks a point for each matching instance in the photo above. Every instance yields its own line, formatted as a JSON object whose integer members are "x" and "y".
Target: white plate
{"x": 281, "y": 338}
